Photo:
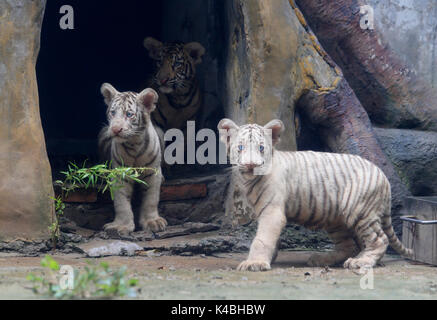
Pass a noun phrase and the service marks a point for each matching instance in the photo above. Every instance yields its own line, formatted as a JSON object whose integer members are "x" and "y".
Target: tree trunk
{"x": 392, "y": 94}
{"x": 25, "y": 175}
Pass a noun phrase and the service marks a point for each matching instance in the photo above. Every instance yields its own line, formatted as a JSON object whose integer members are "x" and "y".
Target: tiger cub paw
{"x": 154, "y": 224}
{"x": 357, "y": 263}
{"x": 120, "y": 228}
{"x": 253, "y": 265}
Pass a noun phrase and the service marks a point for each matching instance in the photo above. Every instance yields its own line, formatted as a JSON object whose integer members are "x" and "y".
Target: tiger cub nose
{"x": 117, "y": 130}
{"x": 164, "y": 81}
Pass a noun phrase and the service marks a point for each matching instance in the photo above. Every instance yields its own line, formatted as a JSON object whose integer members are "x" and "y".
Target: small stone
{"x": 116, "y": 248}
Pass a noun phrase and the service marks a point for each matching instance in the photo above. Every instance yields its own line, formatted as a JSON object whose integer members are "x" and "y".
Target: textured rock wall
{"x": 409, "y": 26}
{"x": 414, "y": 155}
{"x": 410, "y": 29}
{"x": 25, "y": 175}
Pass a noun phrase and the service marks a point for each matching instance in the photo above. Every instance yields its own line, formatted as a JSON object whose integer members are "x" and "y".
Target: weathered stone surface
{"x": 237, "y": 240}
{"x": 414, "y": 155}
{"x": 25, "y": 183}
{"x": 186, "y": 228}
{"x": 170, "y": 232}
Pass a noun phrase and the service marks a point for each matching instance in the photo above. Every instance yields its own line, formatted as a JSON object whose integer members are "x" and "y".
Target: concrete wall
{"x": 25, "y": 177}
{"x": 410, "y": 28}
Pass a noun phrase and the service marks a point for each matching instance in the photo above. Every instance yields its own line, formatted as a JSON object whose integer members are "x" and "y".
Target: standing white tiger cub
{"x": 130, "y": 140}
{"x": 344, "y": 194}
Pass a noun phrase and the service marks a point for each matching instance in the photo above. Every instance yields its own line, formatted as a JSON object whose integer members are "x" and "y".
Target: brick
{"x": 183, "y": 191}
{"x": 168, "y": 193}
{"x": 81, "y": 196}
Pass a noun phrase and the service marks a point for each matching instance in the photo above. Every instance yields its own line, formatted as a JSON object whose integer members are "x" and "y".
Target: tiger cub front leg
{"x": 149, "y": 216}
{"x": 263, "y": 248}
{"x": 124, "y": 217}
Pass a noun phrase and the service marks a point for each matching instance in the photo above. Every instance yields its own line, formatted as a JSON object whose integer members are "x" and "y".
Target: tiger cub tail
{"x": 394, "y": 241}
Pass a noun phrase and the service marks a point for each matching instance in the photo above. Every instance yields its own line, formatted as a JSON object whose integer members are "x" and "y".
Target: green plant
{"x": 59, "y": 211}
{"x": 94, "y": 282}
{"x": 101, "y": 176}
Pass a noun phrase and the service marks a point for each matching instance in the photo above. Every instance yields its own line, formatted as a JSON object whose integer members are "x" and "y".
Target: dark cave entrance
{"x": 107, "y": 46}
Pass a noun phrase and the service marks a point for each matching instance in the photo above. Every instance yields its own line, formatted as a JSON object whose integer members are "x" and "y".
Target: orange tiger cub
{"x": 175, "y": 78}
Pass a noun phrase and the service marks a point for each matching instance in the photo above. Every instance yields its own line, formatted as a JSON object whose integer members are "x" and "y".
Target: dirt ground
{"x": 215, "y": 277}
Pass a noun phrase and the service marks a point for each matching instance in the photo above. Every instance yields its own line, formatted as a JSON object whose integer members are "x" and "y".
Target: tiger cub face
{"x": 175, "y": 64}
{"x": 250, "y": 146}
{"x": 128, "y": 112}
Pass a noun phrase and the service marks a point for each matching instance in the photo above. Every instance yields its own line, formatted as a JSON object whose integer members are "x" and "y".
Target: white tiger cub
{"x": 344, "y": 194}
{"x": 130, "y": 140}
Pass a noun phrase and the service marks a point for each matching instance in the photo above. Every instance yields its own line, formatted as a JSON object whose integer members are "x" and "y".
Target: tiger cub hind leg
{"x": 345, "y": 247}
{"x": 375, "y": 243}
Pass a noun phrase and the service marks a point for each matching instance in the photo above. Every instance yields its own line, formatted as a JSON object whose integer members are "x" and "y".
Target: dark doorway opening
{"x": 106, "y": 45}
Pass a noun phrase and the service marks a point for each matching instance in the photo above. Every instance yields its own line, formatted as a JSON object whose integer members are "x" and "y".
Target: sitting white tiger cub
{"x": 130, "y": 140}
{"x": 346, "y": 195}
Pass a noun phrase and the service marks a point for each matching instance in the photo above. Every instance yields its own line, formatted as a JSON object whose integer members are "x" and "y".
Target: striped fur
{"x": 344, "y": 194}
{"x": 175, "y": 78}
{"x": 130, "y": 139}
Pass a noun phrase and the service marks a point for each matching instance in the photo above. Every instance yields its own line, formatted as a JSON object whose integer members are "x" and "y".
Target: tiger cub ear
{"x": 154, "y": 47}
{"x": 195, "y": 50}
{"x": 148, "y": 98}
{"x": 108, "y": 92}
{"x": 277, "y": 126}
{"x": 225, "y": 127}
